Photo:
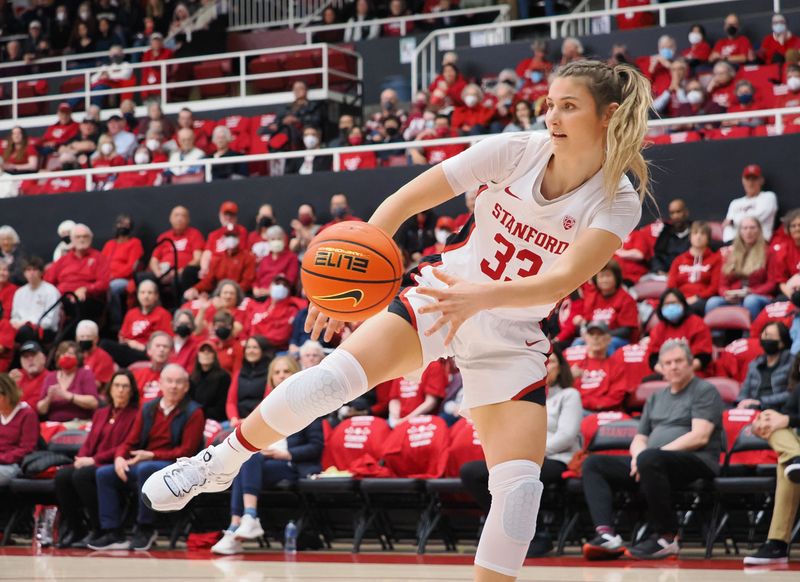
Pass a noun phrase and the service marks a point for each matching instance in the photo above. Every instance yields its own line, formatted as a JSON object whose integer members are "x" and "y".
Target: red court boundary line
{"x": 428, "y": 559}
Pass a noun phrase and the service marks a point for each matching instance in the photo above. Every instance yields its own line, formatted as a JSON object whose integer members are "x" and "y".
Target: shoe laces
{"x": 186, "y": 476}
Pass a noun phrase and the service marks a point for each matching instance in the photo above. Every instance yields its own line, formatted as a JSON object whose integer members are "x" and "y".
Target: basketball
{"x": 352, "y": 270}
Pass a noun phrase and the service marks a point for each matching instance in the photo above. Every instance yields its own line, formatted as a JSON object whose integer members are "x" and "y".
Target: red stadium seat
{"x": 762, "y": 77}
{"x": 196, "y": 178}
{"x": 736, "y": 132}
{"x": 29, "y": 89}
{"x": 74, "y": 85}
{"x": 268, "y": 64}
{"x": 177, "y": 73}
{"x": 677, "y": 137}
{"x": 395, "y": 162}
{"x": 650, "y": 289}
{"x": 213, "y": 70}
{"x": 728, "y": 317}
{"x": 304, "y": 60}
{"x": 728, "y": 388}
{"x": 638, "y": 397}
{"x": 716, "y": 230}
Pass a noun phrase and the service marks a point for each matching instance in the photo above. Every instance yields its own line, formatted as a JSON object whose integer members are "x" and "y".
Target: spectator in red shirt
{"x": 600, "y": 379}
{"x": 671, "y": 98}
{"x": 340, "y": 211}
{"x": 747, "y": 98}
{"x": 438, "y": 153}
{"x": 746, "y": 271}
{"x": 397, "y": 8}
{"x": 7, "y": 335}
{"x": 304, "y": 228}
{"x": 189, "y": 245}
{"x": 445, "y": 226}
{"x": 75, "y": 484}
{"x": 156, "y": 52}
{"x": 787, "y": 263}
{"x": 235, "y": 264}
{"x": 95, "y": 358}
{"x": 148, "y": 375}
{"x": 140, "y": 179}
{"x": 696, "y": 272}
{"x": 257, "y": 240}
{"x": 357, "y": 160}
{"x": 106, "y": 156}
{"x": 19, "y": 430}
{"x": 633, "y": 257}
{"x": 536, "y": 63}
{"x": 58, "y": 184}
{"x": 699, "y": 50}
{"x": 61, "y": 132}
{"x": 659, "y": 65}
{"x": 31, "y": 373}
{"x": 410, "y": 397}
{"x": 216, "y": 243}
{"x": 473, "y": 115}
{"x": 228, "y": 296}
{"x": 279, "y": 261}
{"x": 676, "y": 321}
{"x": 612, "y": 305}
{"x": 229, "y": 350}
{"x": 164, "y": 430}
{"x": 774, "y": 46}
{"x": 735, "y": 48}
{"x": 19, "y": 156}
{"x": 70, "y": 391}
{"x": 185, "y": 342}
{"x": 446, "y": 89}
{"x": 83, "y": 271}
{"x": 698, "y": 102}
{"x": 722, "y": 89}
{"x": 7, "y": 291}
{"x": 123, "y": 253}
{"x": 273, "y": 319}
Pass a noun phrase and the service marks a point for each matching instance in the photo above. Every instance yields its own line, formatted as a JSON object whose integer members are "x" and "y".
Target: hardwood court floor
{"x": 78, "y": 565}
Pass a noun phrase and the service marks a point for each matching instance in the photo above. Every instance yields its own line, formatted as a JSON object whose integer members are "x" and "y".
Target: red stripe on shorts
{"x": 528, "y": 389}
{"x": 408, "y": 307}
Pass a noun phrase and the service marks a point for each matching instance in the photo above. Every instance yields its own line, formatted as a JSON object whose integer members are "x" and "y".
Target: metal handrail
{"x": 423, "y": 66}
{"x": 336, "y": 153}
{"x": 501, "y": 9}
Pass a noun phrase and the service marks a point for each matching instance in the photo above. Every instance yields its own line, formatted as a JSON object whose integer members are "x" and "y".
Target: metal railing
{"x": 249, "y": 14}
{"x": 66, "y": 62}
{"x": 336, "y": 153}
{"x": 238, "y": 80}
{"x": 502, "y": 11}
{"x": 424, "y": 66}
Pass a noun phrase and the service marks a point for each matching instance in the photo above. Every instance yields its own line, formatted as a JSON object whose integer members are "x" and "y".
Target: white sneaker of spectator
{"x": 249, "y": 529}
{"x": 228, "y": 545}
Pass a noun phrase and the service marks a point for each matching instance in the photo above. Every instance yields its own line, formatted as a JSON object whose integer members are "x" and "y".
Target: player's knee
{"x": 516, "y": 487}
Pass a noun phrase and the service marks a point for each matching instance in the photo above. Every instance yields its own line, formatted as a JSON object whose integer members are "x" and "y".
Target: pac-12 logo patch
{"x": 568, "y": 222}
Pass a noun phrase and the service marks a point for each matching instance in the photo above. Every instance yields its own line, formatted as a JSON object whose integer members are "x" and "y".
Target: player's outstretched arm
{"x": 427, "y": 190}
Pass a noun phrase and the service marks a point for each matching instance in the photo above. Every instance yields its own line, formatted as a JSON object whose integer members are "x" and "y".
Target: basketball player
{"x": 552, "y": 210}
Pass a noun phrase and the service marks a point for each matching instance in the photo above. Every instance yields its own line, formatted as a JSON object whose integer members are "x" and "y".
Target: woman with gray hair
{"x": 280, "y": 260}
{"x": 11, "y": 253}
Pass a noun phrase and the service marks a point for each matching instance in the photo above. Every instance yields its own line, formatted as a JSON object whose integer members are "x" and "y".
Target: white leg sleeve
{"x": 516, "y": 492}
{"x": 307, "y": 395}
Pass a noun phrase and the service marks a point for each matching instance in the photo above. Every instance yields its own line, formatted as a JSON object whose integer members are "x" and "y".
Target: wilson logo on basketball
{"x": 340, "y": 259}
{"x": 568, "y": 222}
{"x": 357, "y": 295}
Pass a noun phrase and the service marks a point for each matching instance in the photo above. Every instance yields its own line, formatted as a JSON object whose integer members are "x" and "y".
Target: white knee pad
{"x": 307, "y": 395}
{"x": 516, "y": 493}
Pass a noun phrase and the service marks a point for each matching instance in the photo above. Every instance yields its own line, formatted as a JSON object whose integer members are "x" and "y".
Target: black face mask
{"x": 771, "y": 347}
{"x": 344, "y": 131}
{"x": 392, "y": 131}
{"x": 796, "y": 299}
{"x": 731, "y": 30}
{"x": 183, "y": 330}
{"x": 123, "y": 230}
{"x": 69, "y": 166}
{"x": 223, "y": 333}
{"x": 86, "y": 345}
{"x": 66, "y": 240}
{"x": 339, "y": 212}
{"x": 265, "y": 222}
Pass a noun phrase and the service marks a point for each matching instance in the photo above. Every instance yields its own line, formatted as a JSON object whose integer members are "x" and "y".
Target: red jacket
{"x": 106, "y": 436}
{"x": 734, "y": 361}
{"x": 693, "y": 330}
{"x": 186, "y": 244}
{"x": 239, "y": 266}
{"x": 7, "y": 335}
{"x": 159, "y": 440}
{"x": 229, "y": 353}
{"x": 286, "y": 262}
{"x": 139, "y": 326}
{"x": 216, "y": 244}
{"x": 602, "y": 384}
{"x": 72, "y": 272}
{"x": 618, "y": 310}
{"x": 19, "y": 436}
{"x": 567, "y": 312}
{"x": 787, "y": 263}
{"x": 354, "y": 439}
{"x": 123, "y": 257}
{"x": 273, "y": 320}
{"x": 411, "y": 393}
{"x": 186, "y": 357}
{"x": 696, "y": 276}
{"x": 100, "y": 363}
{"x": 7, "y": 298}
{"x": 31, "y": 387}
{"x": 633, "y": 270}
{"x": 633, "y": 360}
{"x": 61, "y": 133}
{"x": 759, "y": 282}
{"x": 698, "y": 52}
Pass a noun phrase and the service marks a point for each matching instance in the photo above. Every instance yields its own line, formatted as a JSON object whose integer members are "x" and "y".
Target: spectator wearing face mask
{"x": 659, "y": 65}
{"x": 310, "y": 164}
{"x": 774, "y": 46}
{"x": 697, "y": 103}
{"x": 390, "y": 107}
{"x": 699, "y": 50}
{"x": 473, "y": 117}
{"x": 340, "y": 211}
{"x": 230, "y": 351}
{"x": 748, "y": 99}
{"x": 304, "y": 229}
{"x": 357, "y": 160}
{"x": 123, "y": 253}
{"x": 447, "y": 88}
{"x": 216, "y": 244}
{"x": 788, "y": 95}
{"x": 767, "y": 382}
{"x": 671, "y": 99}
{"x": 280, "y": 260}
{"x": 273, "y": 318}
{"x": 185, "y": 342}
{"x": 140, "y": 179}
{"x": 438, "y": 153}
{"x": 537, "y": 62}
{"x": 95, "y": 358}
{"x": 70, "y": 391}
{"x": 257, "y": 240}
{"x": 445, "y": 227}
{"x": 734, "y": 48}
{"x": 722, "y": 89}
{"x": 676, "y": 321}
{"x": 389, "y": 132}
{"x": 235, "y": 264}
{"x": 116, "y": 74}
{"x": 186, "y": 152}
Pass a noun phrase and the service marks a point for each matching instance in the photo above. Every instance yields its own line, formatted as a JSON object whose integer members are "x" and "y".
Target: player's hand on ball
{"x": 317, "y": 321}
{"x": 457, "y": 303}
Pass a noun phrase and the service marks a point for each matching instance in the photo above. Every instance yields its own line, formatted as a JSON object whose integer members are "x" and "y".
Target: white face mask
{"x": 276, "y": 246}
{"x": 441, "y": 235}
{"x": 141, "y": 158}
{"x": 231, "y": 242}
{"x": 471, "y": 100}
{"x": 153, "y": 144}
{"x": 793, "y": 83}
{"x": 278, "y": 292}
{"x": 106, "y": 148}
{"x": 695, "y": 97}
{"x": 61, "y": 16}
{"x": 84, "y": 14}
{"x": 779, "y": 28}
{"x": 695, "y": 37}
{"x": 310, "y": 141}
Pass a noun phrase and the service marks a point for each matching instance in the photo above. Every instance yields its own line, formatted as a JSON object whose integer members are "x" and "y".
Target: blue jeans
{"x": 753, "y": 303}
{"x": 256, "y": 473}
{"x": 118, "y": 288}
{"x": 109, "y": 487}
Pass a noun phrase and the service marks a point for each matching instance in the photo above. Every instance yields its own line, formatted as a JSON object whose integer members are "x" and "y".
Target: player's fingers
{"x": 452, "y": 333}
{"x": 437, "y": 325}
{"x": 313, "y": 312}
{"x": 435, "y": 293}
{"x": 319, "y": 325}
{"x": 444, "y": 277}
{"x": 331, "y": 329}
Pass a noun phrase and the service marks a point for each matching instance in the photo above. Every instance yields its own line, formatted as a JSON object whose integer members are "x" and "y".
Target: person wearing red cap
{"x": 445, "y": 226}
{"x": 756, "y": 202}
{"x": 215, "y": 245}
{"x": 61, "y": 132}
{"x": 235, "y": 263}
{"x": 188, "y": 243}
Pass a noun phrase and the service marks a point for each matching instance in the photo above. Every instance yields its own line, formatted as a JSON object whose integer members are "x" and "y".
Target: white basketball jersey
{"x": 514, "y": 232}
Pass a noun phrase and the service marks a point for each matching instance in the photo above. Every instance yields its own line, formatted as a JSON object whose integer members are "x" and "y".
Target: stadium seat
{"x": 716, "y": 230}
{"x": 303, "y": 60}
{"x": 762, "y": 77}
{"x": 728, "y": 317}
{"x": 27, "y": 90}
{"x": 728, "y": 388}
{"x": 649, "y": 289}
{"x": 195, "y": 178}
{"x": 268, "y": 64}
{"x": 638, "y": 397}
{"x": 213, "y": 70}
{"x": 735, "y": 132}
{"x": 175, "y": 74}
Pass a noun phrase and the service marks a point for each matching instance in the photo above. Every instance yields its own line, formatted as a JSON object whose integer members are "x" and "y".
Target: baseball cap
{"x": 31, "y": 346}
{"x": 157, "y": 35}
{"x": 115, "y": 117}
{"x": 601, "y": 325}
{"x": 446, "y": 223}
{"x": 65, "y": 107}
{"x": 752, "y": 170}
{"x": 229, "y": 207}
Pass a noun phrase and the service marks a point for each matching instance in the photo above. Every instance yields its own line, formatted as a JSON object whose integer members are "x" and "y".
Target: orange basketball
{"x": 352, "y": 270}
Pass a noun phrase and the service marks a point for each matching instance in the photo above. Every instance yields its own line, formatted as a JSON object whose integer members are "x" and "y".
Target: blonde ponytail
{"x": 625, "y": 85}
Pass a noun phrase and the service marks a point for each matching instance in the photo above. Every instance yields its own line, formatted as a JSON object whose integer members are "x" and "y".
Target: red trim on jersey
{"x": 408, "y": 307}
{"x": 460, "y": 243}
{"x": 528, "y": 389}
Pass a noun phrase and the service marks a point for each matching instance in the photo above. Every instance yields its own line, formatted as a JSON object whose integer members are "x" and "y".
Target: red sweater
{"x": 159, "y": 440}
{"x": 107, "y": 434}
{"x": 411, "y": 393}
{"x": 759, "y": 282}
{"x": 7, "y": 335}
{"x": 471, "y": 116}
{"x": 230, "y": 354}
{"x": 216, "y": 245}
{"x": 31, "y": 387}
{"x": 7, "y": 298}
{"x": 602, "y": 384}
{"x": 270, "y": 266}
{"x": 123, "y": 257}
{"x": 148, "y": 381}
{"x": 633, "y": 270}
{"x": 72, "y": 272}
{"x": 19, "y": 436}
{"x": 771, "y": 47}
{"x": 273, "y": 320}
{"x": 139, "y": 326}
{"x": 696, "y": 275}
{"x": 186, "y": 356}
{"x": 779, "y": 311}
{"x": 61, "y": 133}
{"x": 100, "y": 363}
{"x": 787, "y": 263}
{"x": 186, "y": 243}
{"x": 240, "y": 266}
{"x": 617, "y": 310}
{"x": 693, "y": 330}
